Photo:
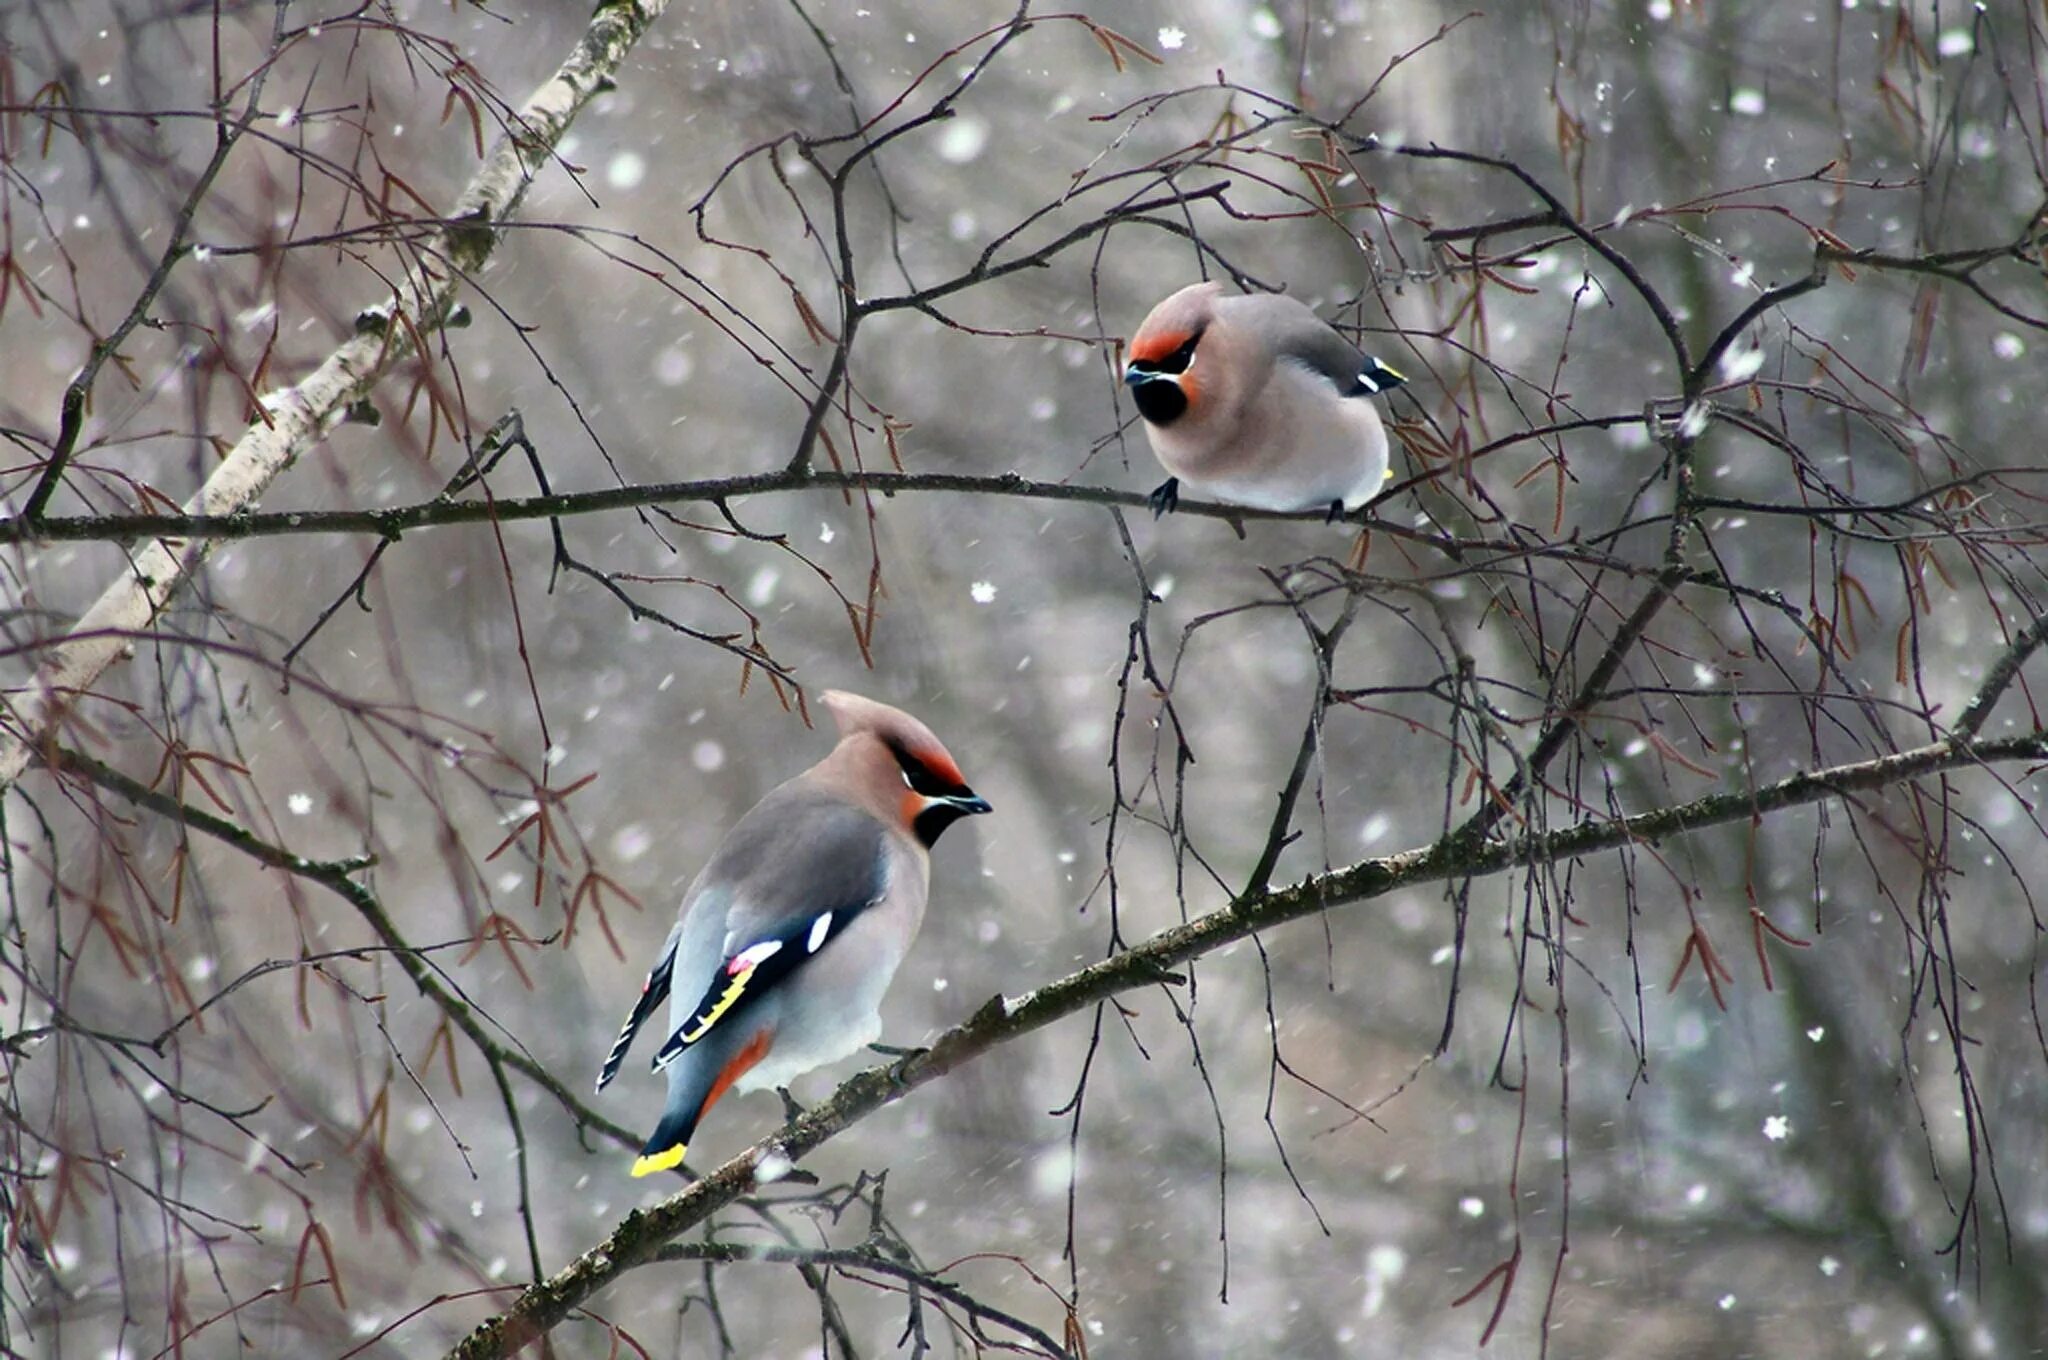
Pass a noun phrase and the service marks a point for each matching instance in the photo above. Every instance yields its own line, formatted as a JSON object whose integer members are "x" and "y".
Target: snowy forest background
{"x": 1591, "y": 914}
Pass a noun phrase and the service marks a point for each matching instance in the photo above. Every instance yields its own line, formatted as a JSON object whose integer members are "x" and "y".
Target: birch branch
{"x": 294, "y": 418}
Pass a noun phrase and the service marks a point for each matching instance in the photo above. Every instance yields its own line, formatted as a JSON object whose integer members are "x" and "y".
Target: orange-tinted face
{"x": 935, "y": 795}
{"x": 1161, "y": 373}
{"x": 1155, "y": 345}
{"x": 1166, "y": 340}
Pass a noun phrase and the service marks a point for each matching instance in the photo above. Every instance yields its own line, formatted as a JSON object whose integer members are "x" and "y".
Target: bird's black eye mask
{"x": 1178, "y": 361}
{"x": 1174, "y": 363}
{"x": 949, "y": 799}
{"x": 920, "y": 778}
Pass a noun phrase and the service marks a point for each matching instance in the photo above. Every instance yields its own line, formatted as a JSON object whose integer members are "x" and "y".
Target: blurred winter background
{"x": 1776, "y": 1178}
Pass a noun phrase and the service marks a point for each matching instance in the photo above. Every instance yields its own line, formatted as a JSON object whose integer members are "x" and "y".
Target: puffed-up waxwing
{"x": 1255, "y": 400}
{"x": 790, "y": 934}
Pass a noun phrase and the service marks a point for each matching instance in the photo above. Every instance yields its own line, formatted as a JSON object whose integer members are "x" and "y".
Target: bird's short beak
{"x": 969, "y": 805}
{"x": 1134, "y": 376}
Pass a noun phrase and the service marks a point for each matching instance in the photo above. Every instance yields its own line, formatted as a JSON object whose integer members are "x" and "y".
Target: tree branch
{"x": 337, "y": 877}
{"x": 295, "y": 418}
{"x": 641, "y": 1236}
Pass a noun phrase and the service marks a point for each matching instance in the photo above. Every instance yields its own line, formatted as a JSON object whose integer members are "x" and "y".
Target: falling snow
{"x": 982, "y": 592}
{"x": 626, "y": 170}
{"x": 1384, "y": 1265}
{"x": 963, "y": 140}
{"x": 673, "y": 366}
{"x": 1052, "y": 1171}
{"x": 1741, "y": 363}
{"x": 631, "y": 841}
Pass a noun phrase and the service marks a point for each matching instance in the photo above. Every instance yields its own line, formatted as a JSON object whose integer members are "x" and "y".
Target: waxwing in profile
{"x": 790, "y": 934}
{"x": 1255, "y": 400}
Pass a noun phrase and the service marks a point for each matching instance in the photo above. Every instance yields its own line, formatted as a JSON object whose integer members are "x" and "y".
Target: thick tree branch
{"x": 642, "y": 1234}
{"x": 398, "y": 520}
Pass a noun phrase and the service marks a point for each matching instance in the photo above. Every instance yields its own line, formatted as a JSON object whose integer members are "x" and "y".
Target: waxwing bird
{"x": 1255, "y": 400}
{"x": 789, "y": 935}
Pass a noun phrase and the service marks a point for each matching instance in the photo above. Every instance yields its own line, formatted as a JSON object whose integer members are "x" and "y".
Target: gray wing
{"x": 787, "y": 880}
{"x": 1297, "y": 334}
{"x": 797, "y": 853}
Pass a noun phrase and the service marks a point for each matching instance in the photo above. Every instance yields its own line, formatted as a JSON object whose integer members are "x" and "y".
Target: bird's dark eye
{"x": 1178, "y": 361}
{"x": 919, "y": 779}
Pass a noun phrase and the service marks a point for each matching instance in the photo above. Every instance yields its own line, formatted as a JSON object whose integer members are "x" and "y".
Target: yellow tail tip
{"x": 648, "y": 1164}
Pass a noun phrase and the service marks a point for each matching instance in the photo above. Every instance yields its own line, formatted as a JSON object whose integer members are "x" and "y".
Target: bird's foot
{"x": 891, "y": 1051}
{"x": 904, "y": 1057}
{"x": 1336, "y": 512}
{"x": 1164, "y": 497}
{"x": 791, "y": 1111}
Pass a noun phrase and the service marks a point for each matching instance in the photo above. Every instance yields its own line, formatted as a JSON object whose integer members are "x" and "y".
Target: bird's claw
{"x": 903, "y": 1056}
{"x": 791, "y": 1111}
{"x": 1164, "y": 497}
{"x": 891, "y": 1051}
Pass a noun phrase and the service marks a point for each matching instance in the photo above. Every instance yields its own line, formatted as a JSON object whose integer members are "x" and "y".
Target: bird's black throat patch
{"x": 930, "y": 824}
{"x": 1160, "y": 401}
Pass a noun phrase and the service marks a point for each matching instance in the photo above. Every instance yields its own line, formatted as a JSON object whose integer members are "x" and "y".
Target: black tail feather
{"x": 652, "y": 994}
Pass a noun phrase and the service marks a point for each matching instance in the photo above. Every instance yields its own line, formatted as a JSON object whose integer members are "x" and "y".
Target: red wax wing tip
{"x": 752, "y": 957}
